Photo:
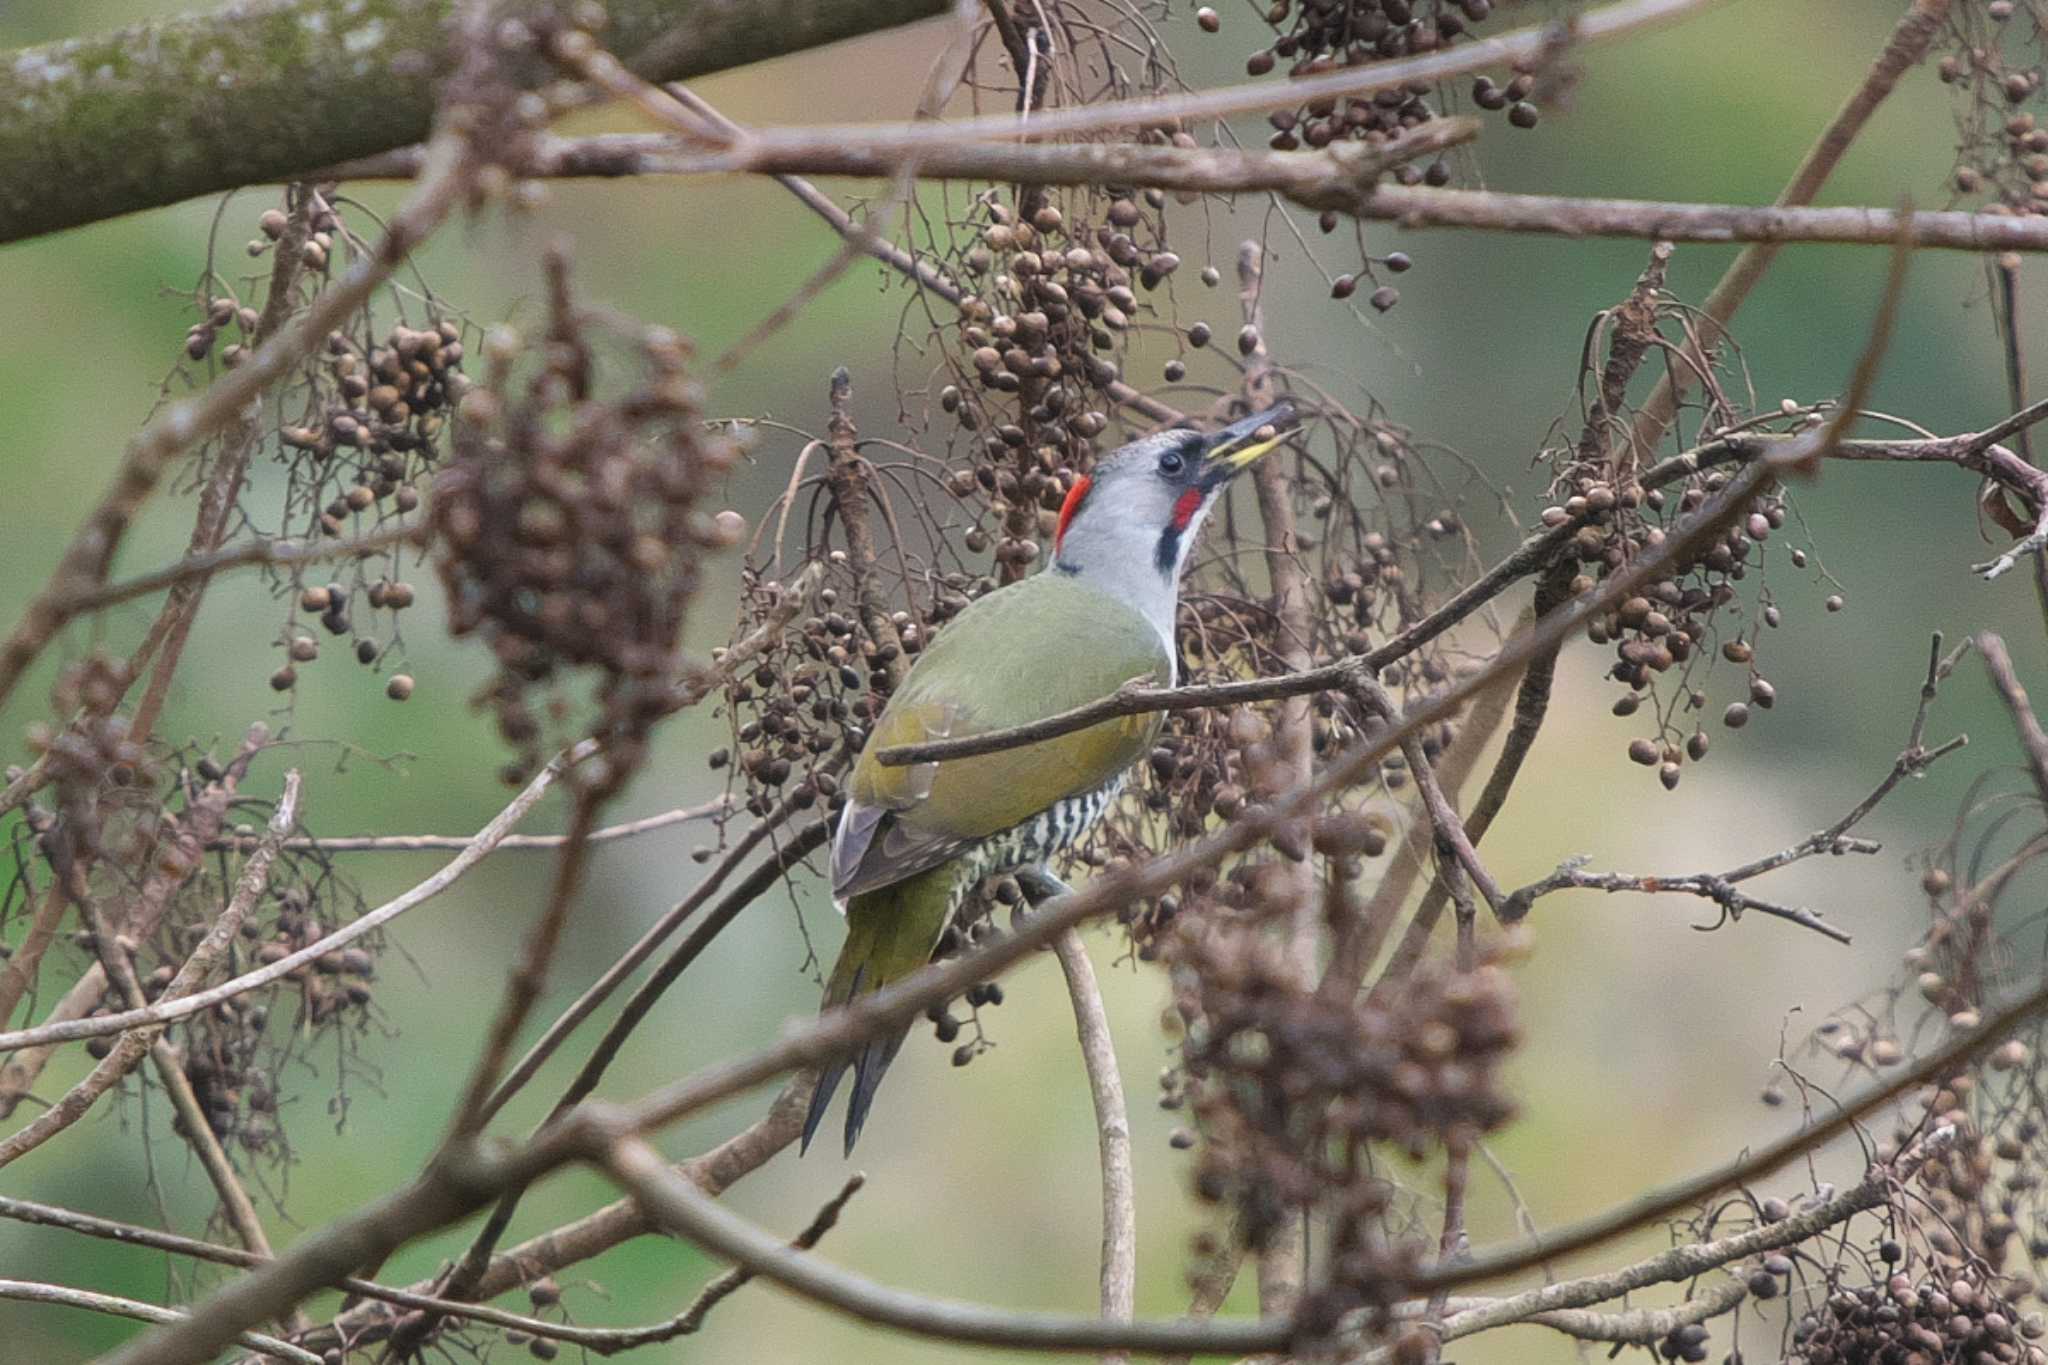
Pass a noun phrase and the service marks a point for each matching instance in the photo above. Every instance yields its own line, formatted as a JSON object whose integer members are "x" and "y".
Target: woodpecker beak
{"x": 1232, "y": 450}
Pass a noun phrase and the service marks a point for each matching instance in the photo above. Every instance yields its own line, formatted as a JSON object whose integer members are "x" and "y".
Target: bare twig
{"x": 2033, "y": 740}
{"x": 1635, "y": 1327}
{"x": 595, "y": 1338}
{"x": 1732, "y": 900}
{"x": 1698, "y": 1258}
{"x": 1907, "y": 43}
{"x": 85, "y": 562}
{"x": 18, "y": 976}
{"x": 628, "y": 962}
{"x": 1112, "y": 1135}
{"x": 165, "y": 1011}
{"x": 278, "y": 553}
{"x": 722, "y": 1288}
{"x": 31, "y": 1291}
{"x": 528, "y": 978}
{"x": 454, "y": 843}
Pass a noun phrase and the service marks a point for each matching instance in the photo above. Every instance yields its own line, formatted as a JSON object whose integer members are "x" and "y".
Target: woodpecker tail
{"x": 890, "y": 933}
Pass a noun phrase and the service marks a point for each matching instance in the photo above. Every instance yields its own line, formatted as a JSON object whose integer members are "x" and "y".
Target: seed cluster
{"x": 1996, "y": 62}
{"x": 1315, "y": 36}
{"x": 1290, "y": 1088}
{"x": 1053, "y": 294}
{"x": 569, "y": 529}
{"x": 1908, "y": 1318}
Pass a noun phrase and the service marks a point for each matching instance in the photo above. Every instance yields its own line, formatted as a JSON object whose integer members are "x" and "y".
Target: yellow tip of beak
{"x": 1237, "y": 446}
{"x": 1244, "y": 455}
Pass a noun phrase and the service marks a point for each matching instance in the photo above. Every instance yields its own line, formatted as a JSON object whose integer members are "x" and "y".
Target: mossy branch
{"x": 91, "y": 128}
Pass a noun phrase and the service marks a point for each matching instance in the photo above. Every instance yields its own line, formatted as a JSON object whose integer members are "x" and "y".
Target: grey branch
{"x": 1699, "y": 1258}
{"x": 2033, "y": 741}
{"x": 1112, "y": 1134}
{"x": 91, "y": 128}
{"x": 1340, "y": 177}
{"x": 678, "y": 1206}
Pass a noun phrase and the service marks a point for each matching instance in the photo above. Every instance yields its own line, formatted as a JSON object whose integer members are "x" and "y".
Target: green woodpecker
{"x": 912, "y": 841}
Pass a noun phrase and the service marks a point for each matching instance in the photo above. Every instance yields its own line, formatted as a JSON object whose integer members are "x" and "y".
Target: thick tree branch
{"x": 92, "y": 128}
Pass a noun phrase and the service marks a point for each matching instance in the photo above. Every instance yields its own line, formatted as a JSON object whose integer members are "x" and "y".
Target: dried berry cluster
{"x": 89, "y": 759}
{"x": 1327, "y": 35}
{"x": 1668, "y": 636}
{"x": 367, "y": 419}
{"x": 1291, "y": 1087}
{"x": 1996, "y": 62}
{"x": 1919, "y": 1321}
{"x": 569, "y": 529}
{"x": 1053, "y": 293}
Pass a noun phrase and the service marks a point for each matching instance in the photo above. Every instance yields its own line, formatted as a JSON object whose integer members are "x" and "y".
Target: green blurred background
{"x": 1647, "y": 1041}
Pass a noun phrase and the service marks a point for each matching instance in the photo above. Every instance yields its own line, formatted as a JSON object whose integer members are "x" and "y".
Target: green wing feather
{"x": 1024, "y": 652}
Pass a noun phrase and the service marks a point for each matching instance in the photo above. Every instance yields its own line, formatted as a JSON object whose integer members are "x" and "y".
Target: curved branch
{"x": 678, "y": 1206}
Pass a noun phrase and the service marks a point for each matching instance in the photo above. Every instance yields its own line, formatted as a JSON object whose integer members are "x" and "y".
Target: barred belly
{"x": 1036, "y": 840}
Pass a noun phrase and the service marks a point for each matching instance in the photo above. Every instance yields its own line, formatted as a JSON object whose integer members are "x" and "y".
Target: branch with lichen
{"x": 91, "y": 128}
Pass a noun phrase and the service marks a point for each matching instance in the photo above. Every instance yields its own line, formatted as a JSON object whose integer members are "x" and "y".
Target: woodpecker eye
{"x": 1171, "y": 463}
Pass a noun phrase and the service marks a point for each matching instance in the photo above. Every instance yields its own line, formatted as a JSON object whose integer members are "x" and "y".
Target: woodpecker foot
{"x": 1039, "y": 886}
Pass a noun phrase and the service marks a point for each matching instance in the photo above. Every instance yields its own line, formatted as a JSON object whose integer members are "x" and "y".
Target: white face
{"x": 1142, "y": 509}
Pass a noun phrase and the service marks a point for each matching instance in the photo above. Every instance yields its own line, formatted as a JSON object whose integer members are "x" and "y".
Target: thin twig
{"x": 169, "y": 1011}
{"x": 2033, "y": 740}
{"x": 32, "y": 1291}
{"x": 450, "y": 843}
{"x": 85, "y": 562}
{"x": 90, "y": 1225}
{"x": 1112, "y": 1135}
{"x": 275, "y": 553}
{"x": 1903, "y": 49}
{"x": 1698, "y": 1258}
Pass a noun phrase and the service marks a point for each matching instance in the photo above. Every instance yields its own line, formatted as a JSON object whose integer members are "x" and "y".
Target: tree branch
{"x": 92, "y": 128}
{"x": 1112, "y": 1135}
{"x": 680, "y": 1208}
{"x": 2033, "y": 741}
{"x": 1698, "y": 1258}
{"x": 30, "y": 1291}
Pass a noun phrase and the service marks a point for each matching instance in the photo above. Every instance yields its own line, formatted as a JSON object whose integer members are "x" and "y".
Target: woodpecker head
{"x": 1130, "y": 524}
